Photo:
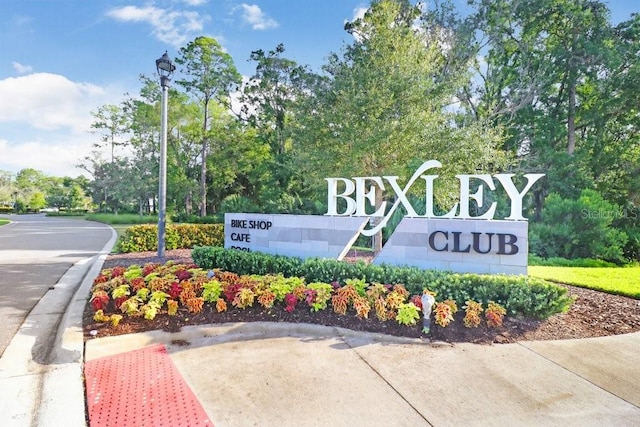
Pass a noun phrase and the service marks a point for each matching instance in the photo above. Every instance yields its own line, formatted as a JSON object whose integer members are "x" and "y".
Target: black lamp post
{"x": 165, "y": 68}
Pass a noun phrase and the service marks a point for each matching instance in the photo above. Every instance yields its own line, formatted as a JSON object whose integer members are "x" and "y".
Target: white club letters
{"x": 365, "y": 190}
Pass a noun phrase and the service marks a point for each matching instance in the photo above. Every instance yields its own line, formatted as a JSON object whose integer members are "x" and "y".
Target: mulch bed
{"x": 593, "y": 314}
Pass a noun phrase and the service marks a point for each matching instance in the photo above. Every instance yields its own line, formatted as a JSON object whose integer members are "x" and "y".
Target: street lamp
{"x": 165, "y": 68}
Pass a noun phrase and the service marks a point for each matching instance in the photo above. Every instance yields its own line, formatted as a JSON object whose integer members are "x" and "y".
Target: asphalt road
{"x": 35, "y": 251}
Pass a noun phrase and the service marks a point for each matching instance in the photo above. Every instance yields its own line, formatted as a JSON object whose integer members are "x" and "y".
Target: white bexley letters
{"x": 365, "y": 190}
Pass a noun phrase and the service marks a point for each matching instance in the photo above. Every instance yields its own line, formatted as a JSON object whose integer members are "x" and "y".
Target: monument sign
{"x": 456, "y": 241}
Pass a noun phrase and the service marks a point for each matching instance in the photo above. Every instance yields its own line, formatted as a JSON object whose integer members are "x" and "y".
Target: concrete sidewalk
{"x": 290, "y": 374}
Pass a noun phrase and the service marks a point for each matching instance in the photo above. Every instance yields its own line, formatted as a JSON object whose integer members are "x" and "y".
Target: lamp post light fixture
{"x": 165, "y": 68}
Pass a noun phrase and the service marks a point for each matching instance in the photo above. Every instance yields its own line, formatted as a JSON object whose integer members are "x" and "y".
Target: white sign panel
{"x": 302, "y": 236}
{"x": 458, "y": 245}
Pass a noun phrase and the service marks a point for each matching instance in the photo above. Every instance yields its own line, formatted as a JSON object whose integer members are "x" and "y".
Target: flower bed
{"x": 154, "y": 289}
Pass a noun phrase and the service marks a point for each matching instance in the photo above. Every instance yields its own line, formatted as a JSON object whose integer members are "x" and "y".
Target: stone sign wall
{"x": 303, "y": 236}
{"x": 459, "y": 245}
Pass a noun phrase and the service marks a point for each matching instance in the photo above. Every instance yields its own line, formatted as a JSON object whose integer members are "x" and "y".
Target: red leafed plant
{"x": 417, "y": 301}
{"x": 138, "y": 283}
{"x": 118, "y": 271}
{"x": 102, "y": 278}
{"x": 118, "y": 301}
{"x": 99, "y": 300}
{"x": 174, "y": 290}
{"x": 290, "y": 300}
{"x": 149, "y": 268}
{"x": 183, "y": 275}
{"x": 230, "y": 290}
{"x": 310, "y": 295}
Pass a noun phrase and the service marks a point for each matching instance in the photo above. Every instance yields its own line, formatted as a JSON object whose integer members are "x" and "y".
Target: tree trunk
{"x": 187, "y": 203}
{"x": 571, "y": 119}
{"x": 203, "y": 180}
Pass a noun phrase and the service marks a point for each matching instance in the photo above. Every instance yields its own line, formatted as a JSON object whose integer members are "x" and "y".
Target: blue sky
{"x": 62, "y": 59}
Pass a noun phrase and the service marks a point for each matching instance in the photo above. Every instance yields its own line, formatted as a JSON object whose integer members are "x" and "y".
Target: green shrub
{"x": 518, "y": 294}
{"x": 114, "y": 219}
{"x": 579, "y": 228}
{"x": 196, "y": 219}
{"x": 563, "y": 262}
{"x": 140, "y": 238}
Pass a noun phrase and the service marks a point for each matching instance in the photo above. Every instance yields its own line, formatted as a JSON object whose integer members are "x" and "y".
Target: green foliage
{"x": 322, "y": 295}
{"x": 408, "y": 314}
{"x": 211, "y": 291}
{"x": 518, "y": 294}
{"x": 142, "y": 238}
{"x": 563, "y": 262}
{"x": 114, "y": 219}
{"x": 281, "y": 286}
{"x": 195, "y": 219}
{"x": 579, "y": 228}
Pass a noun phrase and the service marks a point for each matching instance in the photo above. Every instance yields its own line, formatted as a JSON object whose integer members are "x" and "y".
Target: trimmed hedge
{"x": 520, "y": 295}
{"x": 140, "y": 238}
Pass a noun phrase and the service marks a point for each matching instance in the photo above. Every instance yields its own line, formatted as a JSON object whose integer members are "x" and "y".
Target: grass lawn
{"x": 621, "y": 281}
{"x": 4, "y": 221}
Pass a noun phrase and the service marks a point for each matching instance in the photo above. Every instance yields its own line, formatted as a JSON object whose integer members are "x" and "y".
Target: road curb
{"x": 41, "y": 368}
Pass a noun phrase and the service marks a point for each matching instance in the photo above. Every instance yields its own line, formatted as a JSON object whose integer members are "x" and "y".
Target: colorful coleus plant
{"x": 472, "y": 310}
{"x": 290, "y": 301}
{"x": 172, "y": 307}
{"x": 340, "y": 303}
{"x": 174, "y": 290}
{"x": 244, "y": 298}
{"x": 408, "y": 314}
{"x": 99, "y": 300}
{"x": 194, "y": 304}
{"x": 183, "y": 275}
{"x": 494, "y": 314}
{"x": 221, "y": 305}
{"x": 318, "y": 295}
{"x": 443, "y": 314}
{"x": 362, "y": 307}
{"x": 380, "y": 307}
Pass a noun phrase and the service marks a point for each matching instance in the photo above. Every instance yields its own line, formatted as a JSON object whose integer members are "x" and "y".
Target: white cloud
{"x": 49, "y": 102}
{"x": 22, "y": 69}
{"x": 173, "y": 27}
{"x": 358, "y": 13}
{"x": 254, "y": 16}
{"x": 45, "y": 119}
{"x": 194, "y": 2}
{"x": 57, "y": 159}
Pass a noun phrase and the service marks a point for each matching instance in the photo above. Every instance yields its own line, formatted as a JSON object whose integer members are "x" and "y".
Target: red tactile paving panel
{"x": 140, "y": 388}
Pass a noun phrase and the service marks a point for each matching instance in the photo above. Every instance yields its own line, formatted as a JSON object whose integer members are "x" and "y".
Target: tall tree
{"x": 209, "y": 74}
{"x": 387, "y": 104}
{"x": 111, "y": 123}
{"x": 269, "y": 101}
{"x": 557, "y": 75}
